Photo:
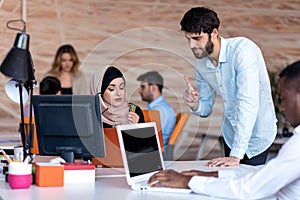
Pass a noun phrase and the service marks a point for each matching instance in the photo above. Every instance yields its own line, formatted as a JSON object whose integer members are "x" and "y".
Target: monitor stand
{"x": 68, "y": 153}
{"x": 68, "y": 156}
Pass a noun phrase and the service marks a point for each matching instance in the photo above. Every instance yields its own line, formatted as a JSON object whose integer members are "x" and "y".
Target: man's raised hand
{"x": 190, "y": 95}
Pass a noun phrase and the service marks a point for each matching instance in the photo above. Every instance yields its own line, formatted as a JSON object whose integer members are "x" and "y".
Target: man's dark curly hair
{"x": 292, "y": 76}
{"x": 200, "y": 19}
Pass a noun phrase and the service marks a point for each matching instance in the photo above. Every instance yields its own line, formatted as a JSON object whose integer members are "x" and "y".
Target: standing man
{"x": 233, "y": 68}
{"x": 150, "y": 90}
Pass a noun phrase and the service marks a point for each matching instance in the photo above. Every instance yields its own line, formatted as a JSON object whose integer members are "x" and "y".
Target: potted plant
{"x": 282, "y": 124}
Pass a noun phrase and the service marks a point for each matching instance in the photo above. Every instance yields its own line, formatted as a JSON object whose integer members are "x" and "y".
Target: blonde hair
{"x": 56, "y": 65}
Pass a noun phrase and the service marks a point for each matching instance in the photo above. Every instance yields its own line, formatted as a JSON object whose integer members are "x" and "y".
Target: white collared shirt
{"x": 279, "y": 178}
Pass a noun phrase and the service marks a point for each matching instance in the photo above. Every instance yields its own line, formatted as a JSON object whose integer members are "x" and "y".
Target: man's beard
{"x": 148, "y": 97}
{"x": 209, "y": 47}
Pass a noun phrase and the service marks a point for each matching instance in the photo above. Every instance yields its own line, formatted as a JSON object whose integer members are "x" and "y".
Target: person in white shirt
{"x": 279, "y": 178}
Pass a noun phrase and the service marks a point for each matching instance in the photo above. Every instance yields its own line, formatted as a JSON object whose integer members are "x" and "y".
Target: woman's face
{"x": 66, "y": 62}
{"x": 114, "y": 94}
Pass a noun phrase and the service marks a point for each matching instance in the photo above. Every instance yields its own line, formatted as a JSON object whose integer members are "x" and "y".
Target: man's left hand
{"x": 224, "y": 161}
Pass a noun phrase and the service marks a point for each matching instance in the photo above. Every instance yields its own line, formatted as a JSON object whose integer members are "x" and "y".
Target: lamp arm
{"x": 23, "y": 132}
{"x": 31, "y": 127}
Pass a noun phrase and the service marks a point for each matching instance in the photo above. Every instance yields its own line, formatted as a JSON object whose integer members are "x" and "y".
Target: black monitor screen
{"x": 69, "y": 123}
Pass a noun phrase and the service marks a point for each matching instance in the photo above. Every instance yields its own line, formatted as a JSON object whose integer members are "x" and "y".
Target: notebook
{"x": 142, "y": 156}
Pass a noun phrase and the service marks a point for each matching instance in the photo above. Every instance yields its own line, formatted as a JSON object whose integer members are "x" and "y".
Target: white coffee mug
{"x": 18, "y": 154}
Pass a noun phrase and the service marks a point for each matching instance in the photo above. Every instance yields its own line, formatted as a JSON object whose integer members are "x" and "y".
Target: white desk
{"x": 110, "y": 184}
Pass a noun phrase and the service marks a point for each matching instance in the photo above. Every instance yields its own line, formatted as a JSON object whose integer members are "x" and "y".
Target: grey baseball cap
{"x": 152, "y": 77}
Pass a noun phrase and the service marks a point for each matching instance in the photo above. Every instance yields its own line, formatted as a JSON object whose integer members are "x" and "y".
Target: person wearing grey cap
{"x": 151, "y": 91}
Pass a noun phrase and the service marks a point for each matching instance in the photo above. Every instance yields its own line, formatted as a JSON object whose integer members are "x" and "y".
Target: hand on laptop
{"x": 224, "y": 161}
{"x": 170, "y": 178}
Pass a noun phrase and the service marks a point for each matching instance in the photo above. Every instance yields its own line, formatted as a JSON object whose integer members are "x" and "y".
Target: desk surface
{"x": 110, "y": 184}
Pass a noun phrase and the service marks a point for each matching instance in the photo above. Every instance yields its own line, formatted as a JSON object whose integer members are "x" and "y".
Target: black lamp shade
{"x": 18, "y": 63}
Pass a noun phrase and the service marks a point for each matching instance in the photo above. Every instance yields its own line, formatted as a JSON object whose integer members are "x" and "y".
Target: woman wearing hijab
{"x": 114, "y": 106}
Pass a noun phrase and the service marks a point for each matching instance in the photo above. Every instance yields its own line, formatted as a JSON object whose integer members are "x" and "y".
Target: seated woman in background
{"x": 65, "y": 67}
{"x": 114, "y": 106}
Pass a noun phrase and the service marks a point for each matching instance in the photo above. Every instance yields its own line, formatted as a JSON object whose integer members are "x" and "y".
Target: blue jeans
{"x": 256, "y": 160}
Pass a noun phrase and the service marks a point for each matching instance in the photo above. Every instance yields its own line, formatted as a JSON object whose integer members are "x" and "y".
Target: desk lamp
{"x": 18, "y": 65}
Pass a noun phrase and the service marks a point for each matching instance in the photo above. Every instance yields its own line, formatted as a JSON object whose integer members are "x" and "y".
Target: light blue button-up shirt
{"x": 242, "y": 81}
{"x": 166, "y": 114}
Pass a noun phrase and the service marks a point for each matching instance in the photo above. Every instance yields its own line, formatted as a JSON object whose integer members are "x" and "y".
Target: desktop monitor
{"x": 69, "y": 126}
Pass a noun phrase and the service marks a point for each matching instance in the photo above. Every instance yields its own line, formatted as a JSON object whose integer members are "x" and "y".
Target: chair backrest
{"x": 153, "y": 116}
{"x": 35, "y": 147}
{"x": 181, "y": 119}
{"x": 113, "y": 157}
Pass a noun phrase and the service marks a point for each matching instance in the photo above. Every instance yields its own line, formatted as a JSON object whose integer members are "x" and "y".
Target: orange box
{"x": 49, "y": 175}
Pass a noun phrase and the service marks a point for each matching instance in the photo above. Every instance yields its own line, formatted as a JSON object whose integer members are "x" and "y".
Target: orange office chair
{"x": 113, "y": 157}
{"x": 153, "y": 116}
{"x": 35, "y": 147}
{"x": 181, "y": 120}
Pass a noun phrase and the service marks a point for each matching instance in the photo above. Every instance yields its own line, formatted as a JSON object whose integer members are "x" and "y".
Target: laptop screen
{"x": 142, "y": 150}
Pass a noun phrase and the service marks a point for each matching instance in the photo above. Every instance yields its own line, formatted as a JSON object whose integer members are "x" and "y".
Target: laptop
{"x": 142, "y": 156}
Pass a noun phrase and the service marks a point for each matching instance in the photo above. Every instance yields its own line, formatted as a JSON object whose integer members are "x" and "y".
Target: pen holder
{"x": 19, "y": 175}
